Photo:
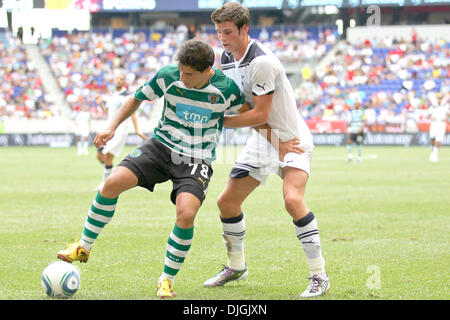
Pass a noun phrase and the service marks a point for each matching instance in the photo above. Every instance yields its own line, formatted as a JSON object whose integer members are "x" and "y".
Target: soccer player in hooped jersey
{"x": 262, "y": 79}
{"x": 181, "y": 149}
{"x": 356, "y": 131}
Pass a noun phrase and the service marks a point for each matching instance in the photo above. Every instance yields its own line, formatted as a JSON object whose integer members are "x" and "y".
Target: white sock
{"x": 306, "y": 230}
{"x": 166, "y": 276}
{"x": 85, "y": 146}
{"x": 233, "y": 235}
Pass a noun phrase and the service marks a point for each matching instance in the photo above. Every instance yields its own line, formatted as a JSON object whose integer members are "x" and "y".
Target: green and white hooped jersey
{"x": 357, "y": 120}
{"x": 192, "y": 119}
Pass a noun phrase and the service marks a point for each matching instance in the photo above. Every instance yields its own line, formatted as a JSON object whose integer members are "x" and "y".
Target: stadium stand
{"x": 22, "y": 94}
{"x": 84, "y": 63}
{"x": 395, "y": 80}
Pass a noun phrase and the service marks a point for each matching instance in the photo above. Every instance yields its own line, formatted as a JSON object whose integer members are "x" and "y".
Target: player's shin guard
{"x": 177, "y": 248}
{"x": 100, "y": 213}
{"x": 306, "y": 230}
{"x": 233, "y": 235}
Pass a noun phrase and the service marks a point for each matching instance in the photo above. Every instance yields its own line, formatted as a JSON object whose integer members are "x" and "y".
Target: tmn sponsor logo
{"x": 192, "y": 113}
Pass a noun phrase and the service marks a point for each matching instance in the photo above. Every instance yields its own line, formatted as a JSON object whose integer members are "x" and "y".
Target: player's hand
{"x": 289, "y": 146}
{"x": 103, "y": 137}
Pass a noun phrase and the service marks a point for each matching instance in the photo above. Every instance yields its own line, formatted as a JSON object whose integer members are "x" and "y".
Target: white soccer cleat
{"x": 317, "y": 287}
{"x": 226, "y": 275}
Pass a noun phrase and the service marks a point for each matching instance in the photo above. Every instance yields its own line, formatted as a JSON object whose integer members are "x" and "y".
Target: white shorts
{"x": 437, "y": 131}
{"x": 82, "y": 131}
{"x": 260, "y": 159}
{"x": 115, "y": 145}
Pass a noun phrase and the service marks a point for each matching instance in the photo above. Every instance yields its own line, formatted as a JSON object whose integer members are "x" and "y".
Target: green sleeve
{"x": 239, "y": 99}
{"x": 150, "y": 90}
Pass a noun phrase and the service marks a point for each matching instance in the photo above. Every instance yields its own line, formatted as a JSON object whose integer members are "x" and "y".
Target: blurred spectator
{"x": 395, "y": 81}
{"x": 83, "y": 63}
{"x": 22, "y": 93}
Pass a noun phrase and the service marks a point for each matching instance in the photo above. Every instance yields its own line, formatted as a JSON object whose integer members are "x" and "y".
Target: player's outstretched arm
{"x": 126, "y": 110}
{"x": 259, "y": 115}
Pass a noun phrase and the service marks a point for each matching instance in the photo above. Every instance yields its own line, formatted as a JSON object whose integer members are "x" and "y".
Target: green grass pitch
{"x": 384, "y": 226}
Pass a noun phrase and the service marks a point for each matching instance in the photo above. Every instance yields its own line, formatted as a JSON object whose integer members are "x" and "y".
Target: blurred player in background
{"x": 82, "y": 119}
{"x": 439, "y": 115}
{"x": 114, "y": 147}
{"x": 262, "y": 78}
{"x": 356, "y": 131}
{"x": 181, "y": 149}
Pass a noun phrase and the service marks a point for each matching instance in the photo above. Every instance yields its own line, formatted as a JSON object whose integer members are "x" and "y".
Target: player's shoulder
{"x": 124, "y": 93}
{"x": 169, "y": 73}
{"x": 261, "y": 61}
{"x": 224, "y": 83}
{"x": 259, "y": 54}
{"x": 227, "y": 60}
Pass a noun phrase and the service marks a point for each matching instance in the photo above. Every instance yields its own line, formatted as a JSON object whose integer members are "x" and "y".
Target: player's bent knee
{"x": 221, "y": 202}
{"x": 228, "y": 207}
{"x": 185, "y": 217}
{"x": 119, "y": 181}
{"x": 292, "y": 201}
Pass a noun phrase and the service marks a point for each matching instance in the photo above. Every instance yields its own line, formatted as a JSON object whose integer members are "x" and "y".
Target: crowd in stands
{"x": 290, "y": 45}
{"x": 22, "y": 94}
{"x": 85, "y": 63}
{"x": 300, "y": 44}
{"x": 395, "y": 81}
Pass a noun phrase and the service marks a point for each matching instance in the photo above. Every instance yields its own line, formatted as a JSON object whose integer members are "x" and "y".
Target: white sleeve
{"x": 263, "y": 75}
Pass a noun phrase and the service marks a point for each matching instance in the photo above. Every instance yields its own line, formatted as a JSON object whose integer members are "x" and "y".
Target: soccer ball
{"x": 60, "y": 280}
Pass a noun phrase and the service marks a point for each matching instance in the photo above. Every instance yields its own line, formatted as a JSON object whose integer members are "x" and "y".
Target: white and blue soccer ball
{"x": 60, "y": 280}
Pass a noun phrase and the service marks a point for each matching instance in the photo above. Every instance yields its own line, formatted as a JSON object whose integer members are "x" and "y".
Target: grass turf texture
{"x": 384, "y": 227}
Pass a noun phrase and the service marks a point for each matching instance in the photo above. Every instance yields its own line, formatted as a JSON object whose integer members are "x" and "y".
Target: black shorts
{"x": 152, "y": 163}
{"x": 357, "y": 138}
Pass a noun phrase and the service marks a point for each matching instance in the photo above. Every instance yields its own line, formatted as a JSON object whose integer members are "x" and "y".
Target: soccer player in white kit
{"x": 261, "y": 77}
{"x": 439, "y": 115}
{"x": 114, "y": 147}
{"x": 82, "y": 120}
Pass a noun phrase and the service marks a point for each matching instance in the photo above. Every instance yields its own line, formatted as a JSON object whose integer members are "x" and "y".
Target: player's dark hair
{"x": 196, "y": 54}
{"x": 234, "y": 12}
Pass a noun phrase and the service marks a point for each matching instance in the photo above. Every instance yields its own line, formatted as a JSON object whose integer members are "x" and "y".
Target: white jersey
{"x": 113, "y": 104}
{"x": 81, "y": 119}
{"x": 260, "y": 72}
{"x": 439, "y": 114}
